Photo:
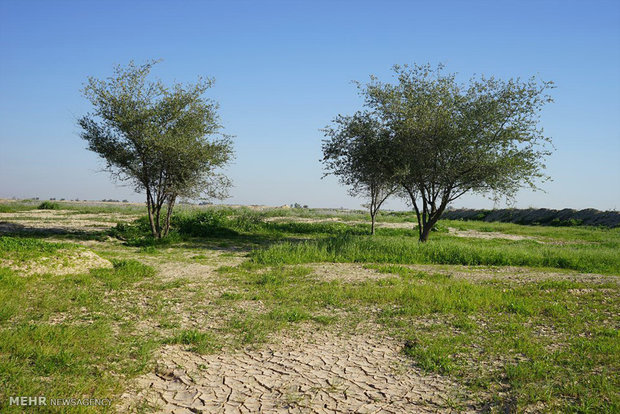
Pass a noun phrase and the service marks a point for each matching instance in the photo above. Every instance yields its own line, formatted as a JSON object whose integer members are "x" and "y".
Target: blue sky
{"x": 283, "y": 70}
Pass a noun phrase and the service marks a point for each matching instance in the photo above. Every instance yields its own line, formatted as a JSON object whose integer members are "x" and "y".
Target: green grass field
{"x": 526, "y": 323}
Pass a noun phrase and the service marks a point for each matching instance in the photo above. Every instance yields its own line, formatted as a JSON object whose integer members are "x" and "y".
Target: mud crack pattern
{"x": 331, "y": 374}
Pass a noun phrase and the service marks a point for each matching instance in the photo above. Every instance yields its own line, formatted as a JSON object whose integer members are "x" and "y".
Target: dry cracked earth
{"x": 310, "y": 372}
{"x": 323, "y": 373}
{"x": 301, "y": 371}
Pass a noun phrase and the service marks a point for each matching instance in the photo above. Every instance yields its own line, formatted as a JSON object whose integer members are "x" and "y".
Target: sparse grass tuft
{"x": 201, "y": 342}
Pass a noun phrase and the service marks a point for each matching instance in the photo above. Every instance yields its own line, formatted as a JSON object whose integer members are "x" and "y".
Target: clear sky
{"x": 283, "y": 70}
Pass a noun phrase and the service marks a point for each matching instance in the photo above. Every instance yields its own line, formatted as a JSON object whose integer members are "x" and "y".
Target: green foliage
{"x": 486, "y": 335}
{"x": 13, "y": 207}
{"x": 49, "y": 205}
{"x": 357, "y": 151}
{"x": 434, "y": 357}
{"x": 165, "y": 141}
{"x": 514, "y": 342}
{"x": 203, "y": 224}
{"x": 565, "y": 223}
{"x": 480, "y": 216}
{"x": 248, "y": 221}
{"x": 131, "y": 231}
{"x": 442, "y": 139}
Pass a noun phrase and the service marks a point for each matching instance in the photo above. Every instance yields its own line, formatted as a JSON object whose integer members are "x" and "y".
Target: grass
{"x": 23, "y": 249}
{"x": 550, "y": 344}
{"x": 201, "y": 342}
{"x": 486, "y": 335}
{"x": 86, "y": 353}
{"x": 582, "y": 234}
{"x": 443, "y": 249}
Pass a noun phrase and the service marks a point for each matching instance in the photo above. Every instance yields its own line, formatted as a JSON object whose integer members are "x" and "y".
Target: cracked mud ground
{"x": 321, "y": 374}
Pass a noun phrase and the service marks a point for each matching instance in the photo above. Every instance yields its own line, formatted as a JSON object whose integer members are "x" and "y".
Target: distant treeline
{"x": 542, "y": 216}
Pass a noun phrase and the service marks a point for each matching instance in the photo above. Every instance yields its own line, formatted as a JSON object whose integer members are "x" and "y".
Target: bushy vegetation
{"x": 434, "y": 139}
{"x": 164, "y": 140}
{"x": 49, "y": 205}
{"x": 227, "y": 223}
{"x": 307, "y": 242}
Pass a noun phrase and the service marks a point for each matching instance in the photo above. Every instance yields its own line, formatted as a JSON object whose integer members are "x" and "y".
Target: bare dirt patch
{"x": 387, "y": 225}
{"x": 64, "y": 262}
{"x": 194, "y": 272}
{"x": 488, "y": 235}
{"x": 321, "y": 373}
{"x": 513, "y": 274}
{"x": 346, "y": 272}
{"x": 60, "y": 221}
{"x": 353, "y": 272}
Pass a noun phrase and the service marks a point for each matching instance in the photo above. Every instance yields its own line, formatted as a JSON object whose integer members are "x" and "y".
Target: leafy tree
{"x": 449, "y": 138}
{"x": 164, "y": 140}
{"x": 356, "y": 152}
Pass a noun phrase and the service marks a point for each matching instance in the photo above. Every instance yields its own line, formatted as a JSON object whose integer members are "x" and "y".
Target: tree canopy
{"x": 356, "y": 152}
{"x": 166, "y": 141}
{"x": 444, "y": 139}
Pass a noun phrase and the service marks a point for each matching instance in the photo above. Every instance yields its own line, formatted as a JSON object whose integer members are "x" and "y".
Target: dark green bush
{"x": 48, "y": 205}
{"x": 203, "y": 224}
{"x": 566, "y": 223}
{"x": 247, "y": 221}
{"x": 130, "y": 231}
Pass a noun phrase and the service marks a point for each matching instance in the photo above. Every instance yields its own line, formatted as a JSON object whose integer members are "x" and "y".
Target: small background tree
{"x": 356, "y": 152}
{"x": 448, "y": 139}
{"x": 164, "y": 140}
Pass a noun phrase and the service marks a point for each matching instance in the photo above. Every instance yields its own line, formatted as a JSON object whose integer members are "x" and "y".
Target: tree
{"x": 356, "y": 153}
{"x": 448, "y": 138}
{"x": 164, "y": 140}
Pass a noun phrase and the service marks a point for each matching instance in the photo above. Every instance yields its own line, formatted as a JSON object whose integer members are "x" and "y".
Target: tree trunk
{"x": 372, "y": 223}
{"x": 416, "y": 209}
{"x": 157, "y": 221}
{"x": 425, "y": 232}
{"x": 150, "y": 208}
{"x": 171, "y": 202}
{"x": 430, "y": 223}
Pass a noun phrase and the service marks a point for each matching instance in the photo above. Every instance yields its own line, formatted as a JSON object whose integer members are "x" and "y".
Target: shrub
{"x": 130, "y": 231}
{"x": 48, "y": 205}
{"x": 203, "y": 224}
{"x": 566, "y": 223}
{"x": 247, "y": 221}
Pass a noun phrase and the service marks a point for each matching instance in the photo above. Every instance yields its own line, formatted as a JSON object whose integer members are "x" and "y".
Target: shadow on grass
{"x": 20, "y": 230}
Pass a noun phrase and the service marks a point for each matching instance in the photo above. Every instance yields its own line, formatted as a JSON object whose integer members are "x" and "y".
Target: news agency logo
{"x": 71, "y": 402}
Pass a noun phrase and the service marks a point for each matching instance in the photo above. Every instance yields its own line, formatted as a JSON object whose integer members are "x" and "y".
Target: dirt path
{"x": 57, "y": 221}
{"x": 321, "y": 373}
{"x": 387, "y": 225}
{"x": 353, "y": 272}
{"x": 488, "y": 235}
